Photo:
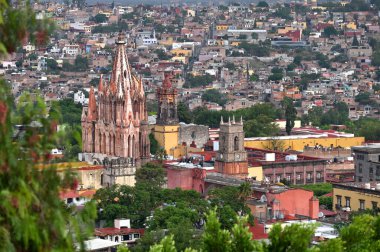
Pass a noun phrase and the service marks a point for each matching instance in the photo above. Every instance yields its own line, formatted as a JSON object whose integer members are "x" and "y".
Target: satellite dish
{"x": 320, "y": 215}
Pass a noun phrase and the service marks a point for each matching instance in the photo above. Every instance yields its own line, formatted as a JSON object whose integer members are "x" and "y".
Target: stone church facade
{"x": 115, "y": 125}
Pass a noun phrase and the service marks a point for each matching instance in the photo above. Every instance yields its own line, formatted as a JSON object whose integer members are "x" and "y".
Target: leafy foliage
{"x": 184, "y": 114}
{"x": 318, "y": 189}
{"x": 254, "y": 49}
{"x": 34, "y": 218}
{"x": 213, "y": 95}
{"x": 290, "y": 114}
{"x": 197, "y": 81}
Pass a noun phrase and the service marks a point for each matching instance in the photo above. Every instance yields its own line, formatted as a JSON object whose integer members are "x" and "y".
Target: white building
{"x": 121, "y": 232}
{"x": 79, "y": 97}
{"x": 71, "y": 50}
{"x": 29, "y": 48}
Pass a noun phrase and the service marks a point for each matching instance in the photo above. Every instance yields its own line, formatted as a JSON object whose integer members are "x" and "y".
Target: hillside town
{"x": 259, "y": 117}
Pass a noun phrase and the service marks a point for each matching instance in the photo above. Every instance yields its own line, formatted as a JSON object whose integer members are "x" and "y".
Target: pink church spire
{"x": 121, "y": 76}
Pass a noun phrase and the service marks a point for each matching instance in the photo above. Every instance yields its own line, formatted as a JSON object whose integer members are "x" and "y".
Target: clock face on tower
{"x": 237, "y": 156}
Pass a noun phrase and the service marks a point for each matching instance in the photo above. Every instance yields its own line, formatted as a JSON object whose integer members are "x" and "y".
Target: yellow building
{"x": 222, "y": 27}
{"x": 235, "y": 43}
{"x": 356, "y": 196}
{"x": 285, "y": 30}
{"x": 89, "y": 176}
{"x": 182, "y": 52}
{"x": 299, "y": 142}
{"x": 256, "y": 172}
{"x": 167, "y": 125}
{"x": 350, "y": 25}
{"x": 181, "y": 59}
{"x": 167, "y": 137}
{"x": 166, "y": 41}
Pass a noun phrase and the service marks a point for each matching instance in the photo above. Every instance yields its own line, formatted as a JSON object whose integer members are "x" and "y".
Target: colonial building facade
{"x": 115, "y": 124}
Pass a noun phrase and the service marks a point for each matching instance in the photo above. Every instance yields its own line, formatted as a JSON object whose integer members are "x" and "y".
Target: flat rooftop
{"x": 257, "y": 157}
{"x": 304, "y": 133}
{"x": 370, "y": 148}
{"x": 371, "y": 187}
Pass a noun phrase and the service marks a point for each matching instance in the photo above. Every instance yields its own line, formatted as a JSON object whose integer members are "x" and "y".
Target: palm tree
{"x": 245, "y": 191}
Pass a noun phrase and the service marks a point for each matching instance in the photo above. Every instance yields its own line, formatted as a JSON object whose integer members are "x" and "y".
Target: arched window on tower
{"x": 236, "y": 143}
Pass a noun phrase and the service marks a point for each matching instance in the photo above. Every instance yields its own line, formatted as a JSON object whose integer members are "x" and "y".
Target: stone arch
{"x": 236, "y": 143}
{"x": 129, "y": 146}
{"x": 114, "y": 144}
{"x": 134, "y": 146}
{"x": 104, "y": 144}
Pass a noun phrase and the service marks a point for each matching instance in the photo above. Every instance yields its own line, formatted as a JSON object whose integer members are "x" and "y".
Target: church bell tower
{"x": 232, "y": 157}
{"x": 167, "y": 125}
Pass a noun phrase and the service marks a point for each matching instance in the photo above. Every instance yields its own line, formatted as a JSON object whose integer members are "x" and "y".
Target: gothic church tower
{"x": 115, "y": 124}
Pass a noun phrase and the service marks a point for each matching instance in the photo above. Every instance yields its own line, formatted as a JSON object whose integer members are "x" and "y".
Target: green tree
{"x": 231, "y": 66}
{"x": 290, "y": 114}
{"x": 362, "y": 234}
{"x": 363, "y": 98}
{"x": 213, "y": 95}
{"x": 327, "y": 202}
{"x": 376, "y": 58}
{"x": 153, "y": 143}
{"x": 330, "y": 31}
{"x": 214, "y": 238}
{"x": 100, "y": 18}
{"x": 197, "y": 81}
{"x": 184, "y": 114}
{"x": 290, "y": 238}
{"x": 355, "y": 41}
{"x": 52, "y": 66}
{"x": 34, "y": 218}
{"x": 241, "y": 237}
{"x": 81, "y": 63}
{"x": 161, "y": 54}
{"x": 297, "y": 60}
{"x": 283, "y": 12}
{"x": 262, "y": 4}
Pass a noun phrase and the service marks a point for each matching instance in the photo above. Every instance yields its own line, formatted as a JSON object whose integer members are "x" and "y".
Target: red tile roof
{"x": 258, "y": 231}
{"x": 116, "y": 231}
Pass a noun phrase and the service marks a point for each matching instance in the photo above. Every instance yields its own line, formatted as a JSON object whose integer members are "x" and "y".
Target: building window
{"x": 360, "y": 157}
{"x": 360, "y": 168}
{"x": 361, "y": 204}
{"x": 378, "y": 170}
{"x": 374, "y": 205}
{"x": 308, "y": 176}
{"x": 278, "y": 178}
{"x": 136, "y": 236}
{"x": 288, "y": 177}
{"x": 319, "y": 175}
{"x": 371, "y": 171}
{"x": 348, "y": 201}
{"x": 339, "y": 200}
{"x": 126, "y": 237}
{"x": 298, "y": 176}
{"x": 236, "y": 143}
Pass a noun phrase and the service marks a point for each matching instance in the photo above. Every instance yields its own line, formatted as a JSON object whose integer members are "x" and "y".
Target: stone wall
{"x": 191, "y": 132}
